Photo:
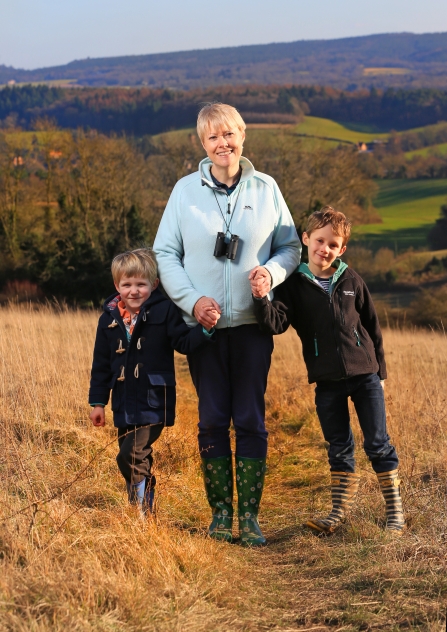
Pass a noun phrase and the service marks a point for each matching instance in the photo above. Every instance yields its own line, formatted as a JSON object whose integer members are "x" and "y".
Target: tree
{"x": 437, "y": 237}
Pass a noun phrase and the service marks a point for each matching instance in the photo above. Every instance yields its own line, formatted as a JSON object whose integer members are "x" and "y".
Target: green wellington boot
{"x": 218, "y": 476}
{"x": 390, "y": 485}
{"x": 250, "y": 474}
{"x": 344, "y": 488}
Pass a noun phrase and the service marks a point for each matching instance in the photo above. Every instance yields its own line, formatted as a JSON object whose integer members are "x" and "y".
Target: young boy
{"x": 134, "y": 357}
{"x": 332, "y": 311}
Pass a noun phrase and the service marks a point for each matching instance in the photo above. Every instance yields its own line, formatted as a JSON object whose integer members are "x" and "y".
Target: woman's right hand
{"x": 207, "y": 312}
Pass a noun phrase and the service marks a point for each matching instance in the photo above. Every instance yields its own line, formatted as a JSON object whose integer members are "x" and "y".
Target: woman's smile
{"x": 224, "y": 149}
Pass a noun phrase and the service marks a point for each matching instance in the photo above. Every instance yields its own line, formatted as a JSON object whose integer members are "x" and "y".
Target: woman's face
{"x": 224, "y": 146}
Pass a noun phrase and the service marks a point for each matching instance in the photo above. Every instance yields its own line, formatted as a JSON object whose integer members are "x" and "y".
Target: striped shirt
{"x": 325, "y": 283}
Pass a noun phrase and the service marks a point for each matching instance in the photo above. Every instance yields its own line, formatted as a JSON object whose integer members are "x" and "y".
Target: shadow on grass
{"x": 286, "y": 534}
{"x": 393, "y": 192}
{"x": 397, "y": 240}
{"x": 364, "y": 128}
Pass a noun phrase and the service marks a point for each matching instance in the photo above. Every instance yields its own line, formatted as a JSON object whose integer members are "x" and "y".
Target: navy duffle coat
{"x": 140, "y": 371}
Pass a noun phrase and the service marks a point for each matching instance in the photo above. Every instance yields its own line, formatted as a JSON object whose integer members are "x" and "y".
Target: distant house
{"x": 369, "y": 147}
{"x": 55, "y": 154}
{"x": 11, "y": 82}
{"x": 17, "y": 161}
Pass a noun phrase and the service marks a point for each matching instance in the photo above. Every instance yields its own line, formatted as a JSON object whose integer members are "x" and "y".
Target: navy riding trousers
{"x": 230, "y": 376}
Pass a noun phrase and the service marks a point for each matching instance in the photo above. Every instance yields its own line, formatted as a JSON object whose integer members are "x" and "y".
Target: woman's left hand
{"x": 207, "y": 312}
{"x": 260, "y": 281}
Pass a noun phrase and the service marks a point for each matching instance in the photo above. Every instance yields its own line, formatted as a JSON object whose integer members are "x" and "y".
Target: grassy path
{"x": 75, "y": 556}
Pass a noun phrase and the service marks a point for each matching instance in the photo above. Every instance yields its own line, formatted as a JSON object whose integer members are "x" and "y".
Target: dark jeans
{"x": 331, "y": 399}
{"x": 230, "y": 376}
{"x": 135, "y": 455}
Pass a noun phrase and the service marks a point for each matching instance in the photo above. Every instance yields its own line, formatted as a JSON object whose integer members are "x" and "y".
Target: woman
{"x": 223, "y": 226}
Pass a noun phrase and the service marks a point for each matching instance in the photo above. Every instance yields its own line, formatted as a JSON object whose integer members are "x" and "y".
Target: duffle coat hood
{"x": 140, "y": 371}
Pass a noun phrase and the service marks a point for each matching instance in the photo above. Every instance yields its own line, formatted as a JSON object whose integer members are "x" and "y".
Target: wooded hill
{"x": 139, "y": 111}
{"x": 396, "y": 59}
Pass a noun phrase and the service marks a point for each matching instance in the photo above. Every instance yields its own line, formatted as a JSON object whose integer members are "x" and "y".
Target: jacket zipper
{"x": 342, "y": 316}
{"x": 359, "y": 343}
{"x": 227, "y": 264}
{"x": 330, "y": 297}
{"x": 316, "y": 344}
{"x": 227, "y": 275}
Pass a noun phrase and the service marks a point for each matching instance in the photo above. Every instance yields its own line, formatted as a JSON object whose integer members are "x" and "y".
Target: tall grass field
{"x": 74, "y": 556}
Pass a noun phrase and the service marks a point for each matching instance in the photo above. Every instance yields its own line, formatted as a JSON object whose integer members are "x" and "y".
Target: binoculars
{"x": 222, "y": 248}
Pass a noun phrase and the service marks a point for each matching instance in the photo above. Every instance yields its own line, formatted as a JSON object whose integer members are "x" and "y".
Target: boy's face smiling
{"x": 135, "y": 291}
{"x": 324, "y": 246}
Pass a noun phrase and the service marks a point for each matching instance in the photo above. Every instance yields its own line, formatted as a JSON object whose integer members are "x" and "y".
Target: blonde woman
{"x": 224, "y": 226}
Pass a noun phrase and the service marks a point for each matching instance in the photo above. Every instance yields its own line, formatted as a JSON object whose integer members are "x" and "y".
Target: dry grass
{"x": 75, "y": 557}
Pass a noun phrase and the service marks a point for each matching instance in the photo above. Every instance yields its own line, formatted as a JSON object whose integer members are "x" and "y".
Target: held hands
{"x": 98, "y": 416}
{"x": 260, "y": 281}
{"x": 207, "y": 312}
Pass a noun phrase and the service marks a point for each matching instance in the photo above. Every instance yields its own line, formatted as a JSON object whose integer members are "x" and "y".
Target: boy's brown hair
{"x": 135, "y": 263}
{"x": 328, "y": 215}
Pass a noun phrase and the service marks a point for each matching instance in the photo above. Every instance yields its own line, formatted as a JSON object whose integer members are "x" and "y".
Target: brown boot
{"x": 344, "y": 488}
{"x": 390, "y": 485}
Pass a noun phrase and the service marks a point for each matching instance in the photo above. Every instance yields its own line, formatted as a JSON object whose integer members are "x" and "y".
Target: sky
{"x": 40, "y": 33}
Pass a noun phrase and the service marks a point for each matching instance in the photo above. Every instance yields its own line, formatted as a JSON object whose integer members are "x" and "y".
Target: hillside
{"x": 396, "y": 59}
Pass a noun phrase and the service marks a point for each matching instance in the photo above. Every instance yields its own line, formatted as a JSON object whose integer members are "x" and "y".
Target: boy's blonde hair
{"x": 135, "y": 263}
{"x": 221, "y": 115}
{"x": 328, "y": 215}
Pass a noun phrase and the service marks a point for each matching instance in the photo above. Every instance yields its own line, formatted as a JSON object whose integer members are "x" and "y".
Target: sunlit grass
{"x": 432, "y": 150}
{"x": 408, "y": 209}
{"x": 315, "y": 126}
{"x": 74, "y": 556}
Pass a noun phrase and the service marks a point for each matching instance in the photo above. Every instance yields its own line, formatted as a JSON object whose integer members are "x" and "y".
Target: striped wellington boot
{"x": 390, "y": 485}
{"x": 344, "y": 488}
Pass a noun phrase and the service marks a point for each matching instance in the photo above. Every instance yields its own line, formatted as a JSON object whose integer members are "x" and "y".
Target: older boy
{"x": 134, "y": 357}
{"x": 332, "y": 311}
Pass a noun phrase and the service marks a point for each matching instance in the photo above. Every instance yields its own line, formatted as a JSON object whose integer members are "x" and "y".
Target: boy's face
{"x": 324, "y": 247}
{"x": 135, "y": 291}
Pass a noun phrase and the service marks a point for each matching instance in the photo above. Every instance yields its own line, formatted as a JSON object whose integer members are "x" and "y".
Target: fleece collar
{"x": 340, "y": 266}
{"x": 248, "y": 171}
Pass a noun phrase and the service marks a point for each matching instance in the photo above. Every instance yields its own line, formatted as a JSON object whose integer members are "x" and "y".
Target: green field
{"x": 408, "y": 209}
{"x": 325, "y": 128}
{"x": 440, "y": 149}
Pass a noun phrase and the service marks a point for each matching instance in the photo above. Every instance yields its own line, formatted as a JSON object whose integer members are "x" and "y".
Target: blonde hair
{"x": 135, "y": 263}
{"x": 221, "y": 115}
{"x": 328, "y": 215}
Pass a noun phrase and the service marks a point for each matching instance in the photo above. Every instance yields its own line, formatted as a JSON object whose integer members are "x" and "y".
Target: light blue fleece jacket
{"x": 186, "y": 237}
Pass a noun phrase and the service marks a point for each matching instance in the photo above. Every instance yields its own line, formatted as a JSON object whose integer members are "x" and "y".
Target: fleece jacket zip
{"x": 196, "y": 211}
{"x": 140, "y": 371}
{"x": 339, "y": 330}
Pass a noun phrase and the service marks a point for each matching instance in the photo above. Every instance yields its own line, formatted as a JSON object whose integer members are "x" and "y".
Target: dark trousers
{"x": 135, "y": 452}
{"x": 366, "y": 392}
{"x": 230, "y": 376}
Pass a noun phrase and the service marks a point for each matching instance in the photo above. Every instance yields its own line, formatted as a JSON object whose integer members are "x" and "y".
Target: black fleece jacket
{"x": 140, "y": 372}
{"x": 340, "y": 332}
